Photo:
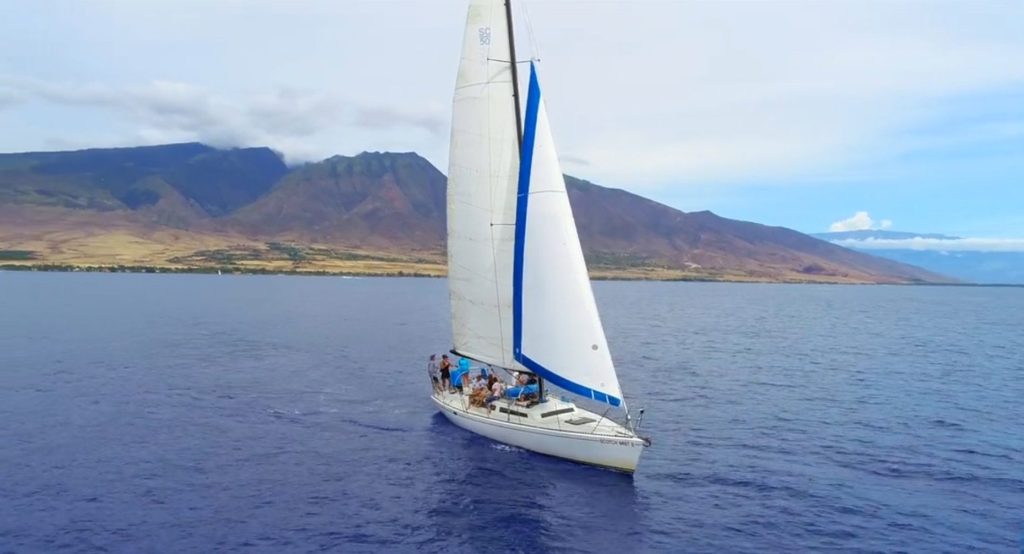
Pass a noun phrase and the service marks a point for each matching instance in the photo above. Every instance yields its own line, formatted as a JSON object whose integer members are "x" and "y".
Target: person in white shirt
{"x": 434, "y": 371}
{"x": 476, "y": 398}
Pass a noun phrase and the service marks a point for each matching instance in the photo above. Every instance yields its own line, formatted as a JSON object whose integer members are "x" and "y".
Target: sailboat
{"x": 521, "y": 300}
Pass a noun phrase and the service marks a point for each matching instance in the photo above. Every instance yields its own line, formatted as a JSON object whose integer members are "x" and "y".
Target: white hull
{"x": 605, "y": 443}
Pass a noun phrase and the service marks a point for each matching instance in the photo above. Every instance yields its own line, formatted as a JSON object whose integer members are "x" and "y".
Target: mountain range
{"x": 192, "y": 206}
{"x": 948, "y": 255}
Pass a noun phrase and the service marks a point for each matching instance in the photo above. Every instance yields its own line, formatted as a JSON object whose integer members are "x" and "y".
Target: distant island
{"x": 194, "y": 208}
{"x": 969, "y": 263}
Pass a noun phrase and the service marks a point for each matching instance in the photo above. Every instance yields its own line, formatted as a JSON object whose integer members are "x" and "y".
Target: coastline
{"x": 434, "y": 270}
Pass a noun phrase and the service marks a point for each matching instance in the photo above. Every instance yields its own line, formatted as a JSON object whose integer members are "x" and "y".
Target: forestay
{"x": 558, "y": 332}
{"x": 482, "y": 173}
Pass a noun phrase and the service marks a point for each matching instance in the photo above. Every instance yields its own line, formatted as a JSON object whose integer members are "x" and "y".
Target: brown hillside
{"x": 383, "y": 201}
{"x": 618, "y": 228}
{"x": 194, "y": 206}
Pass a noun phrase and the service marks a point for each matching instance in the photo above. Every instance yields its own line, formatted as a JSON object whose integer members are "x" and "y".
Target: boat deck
{"x": 552, "y": 414}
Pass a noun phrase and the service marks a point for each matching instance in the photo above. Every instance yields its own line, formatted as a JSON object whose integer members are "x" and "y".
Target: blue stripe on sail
{"x": 522, "y": 197}
{"x": 568, "y": 385}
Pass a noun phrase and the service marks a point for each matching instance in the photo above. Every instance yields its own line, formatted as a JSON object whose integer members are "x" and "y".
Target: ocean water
{"x": 200, "y": 413}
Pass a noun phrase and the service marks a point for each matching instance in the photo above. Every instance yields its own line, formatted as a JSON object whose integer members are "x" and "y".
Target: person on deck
{"x": 460, "y": 375}
{"x": 446, "y": 373}
{"x": 497, "y": 389}
{"x": 479, "y": 394}
{"x": 434, "y": 371}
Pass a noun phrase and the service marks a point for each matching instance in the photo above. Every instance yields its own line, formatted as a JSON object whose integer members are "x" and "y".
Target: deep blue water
{"x": 188, "y": 413}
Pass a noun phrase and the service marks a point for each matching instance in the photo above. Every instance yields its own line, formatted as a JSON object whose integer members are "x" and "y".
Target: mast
{"x": 515, "y": 75}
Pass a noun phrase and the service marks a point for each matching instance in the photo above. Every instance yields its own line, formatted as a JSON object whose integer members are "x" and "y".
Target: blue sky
{"x": 792, "y": 113}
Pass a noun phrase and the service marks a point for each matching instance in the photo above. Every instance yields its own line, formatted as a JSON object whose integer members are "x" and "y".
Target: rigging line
{"x": 598, "y": 424}
{"x": 510, "y": 61}
{"x": 477, "y": 84}
{"x": 534, "y": 45}
{"x": 497, "y": 291}
{"x": 490, "y": 200}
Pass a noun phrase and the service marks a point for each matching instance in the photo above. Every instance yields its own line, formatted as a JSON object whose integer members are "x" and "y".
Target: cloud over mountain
{"x": 937, "y": 244}
{"x": 690, "y": 92}
{"x": 165, "y": 111}
{"x": 859, "y": 221}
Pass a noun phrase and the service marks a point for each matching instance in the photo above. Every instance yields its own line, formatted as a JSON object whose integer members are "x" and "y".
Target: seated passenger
{"x": 479, "y": 394}
{"x": 520, "y": 392}
{"x": 523, "y": 395}
{"x": 497, "y": 389}
{"x": 479, "y": 382}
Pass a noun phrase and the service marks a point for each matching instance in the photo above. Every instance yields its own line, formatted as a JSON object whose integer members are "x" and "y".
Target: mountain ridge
{"x": 193, "y": 206}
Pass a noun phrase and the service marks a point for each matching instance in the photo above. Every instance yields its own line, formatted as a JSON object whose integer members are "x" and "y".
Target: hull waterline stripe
{"x": 522, "y": 200}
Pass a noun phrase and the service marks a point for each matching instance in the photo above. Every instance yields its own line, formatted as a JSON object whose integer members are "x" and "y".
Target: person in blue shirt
{"x": 460, "y": 374}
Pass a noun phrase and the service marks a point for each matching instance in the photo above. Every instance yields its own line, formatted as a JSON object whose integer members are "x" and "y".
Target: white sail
{"x": 482, "y": 174}
{"x": 558, "y": 332}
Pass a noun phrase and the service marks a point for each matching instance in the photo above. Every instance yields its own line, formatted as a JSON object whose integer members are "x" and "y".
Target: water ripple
{"x": 269, "y": 414}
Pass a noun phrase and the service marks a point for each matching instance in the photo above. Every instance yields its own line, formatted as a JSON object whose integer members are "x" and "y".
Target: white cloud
{"x": 941, "y": 245}
{"x": 382, "y": 117}
{"x": 859, "y": 221}
{"x": 731, "y": 91}
{"x": 683, "y": 92}
{"x": 572, "y": 161}
{"x": 166, "y": 111}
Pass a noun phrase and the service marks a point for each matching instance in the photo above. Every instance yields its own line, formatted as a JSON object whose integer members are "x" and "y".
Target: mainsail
{"x": 482, "y": 170}
{"x": 520, "y": 293}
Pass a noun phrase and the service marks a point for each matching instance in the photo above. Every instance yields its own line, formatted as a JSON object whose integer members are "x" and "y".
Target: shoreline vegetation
{"x": 279, "y": 258}
{"x": 228, "y": 270}
{"x": 286, "y": 259}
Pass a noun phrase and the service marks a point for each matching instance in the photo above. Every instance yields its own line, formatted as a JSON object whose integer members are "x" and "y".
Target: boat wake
{"x": 506, "y": 447}
{"x": 373, "y": 426}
